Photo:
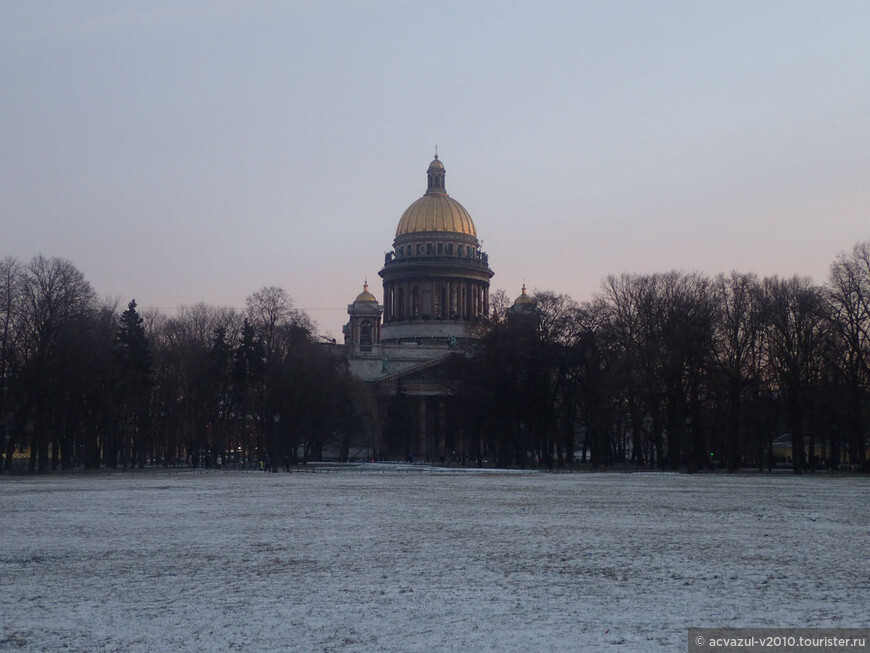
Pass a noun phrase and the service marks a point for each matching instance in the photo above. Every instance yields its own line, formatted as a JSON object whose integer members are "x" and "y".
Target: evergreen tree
{"x": 134, "y": 356}
{"x": 247, "y": 381}
{"x": 133, "y": 348}
{"x": 220, "y": 389}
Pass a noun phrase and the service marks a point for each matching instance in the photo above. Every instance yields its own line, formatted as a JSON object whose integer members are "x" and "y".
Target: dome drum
{"x": 430, "y": 298}
{"x": 446, "y": 237}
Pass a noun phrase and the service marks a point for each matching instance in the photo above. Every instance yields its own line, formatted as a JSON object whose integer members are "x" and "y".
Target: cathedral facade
{"x": 435, "y": 305}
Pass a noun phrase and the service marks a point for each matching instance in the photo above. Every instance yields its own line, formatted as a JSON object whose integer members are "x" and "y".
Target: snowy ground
{"x": 382, "y": 560}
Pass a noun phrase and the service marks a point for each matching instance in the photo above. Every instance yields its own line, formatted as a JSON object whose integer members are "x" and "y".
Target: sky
{"x": 181, "y": 152}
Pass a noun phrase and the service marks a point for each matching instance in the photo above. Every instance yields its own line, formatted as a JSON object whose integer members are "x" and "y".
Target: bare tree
{"x": 796, "y": 319}
{"x": 56, "y": 300}
{"x": 737, "y": 340}
{"x": 187, "y": 394}
{"x": 499, "y": 303}
{"x": 11, "y": 277}
{"x": 848, "y": 300}
{"x": 624, "y": 307}
{"x": 271, "y": 307}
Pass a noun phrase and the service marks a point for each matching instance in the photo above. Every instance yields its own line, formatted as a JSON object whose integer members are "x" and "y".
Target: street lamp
{"x": 275, "y": 419}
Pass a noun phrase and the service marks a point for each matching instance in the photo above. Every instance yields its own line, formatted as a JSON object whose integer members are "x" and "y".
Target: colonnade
{"x": 436, "y": 299}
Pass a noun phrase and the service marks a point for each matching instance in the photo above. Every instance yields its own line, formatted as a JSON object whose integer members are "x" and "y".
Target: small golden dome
{"x": 436, "y": 210}
{"x": 523, "y": 298}
{"x": 365, "y": 295}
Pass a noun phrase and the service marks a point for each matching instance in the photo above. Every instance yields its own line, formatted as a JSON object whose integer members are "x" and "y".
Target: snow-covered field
{"x": 382, "y": 560}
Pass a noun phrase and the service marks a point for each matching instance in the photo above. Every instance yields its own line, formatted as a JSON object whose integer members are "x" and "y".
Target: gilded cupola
{"x": 523, "y": 298}
{"x": 365, "y": 295}
{"x": 436, "y": 211}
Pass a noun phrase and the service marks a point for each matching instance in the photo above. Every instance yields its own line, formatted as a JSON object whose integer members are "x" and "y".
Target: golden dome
{"x": 365, "y": 295}
{"x": 523, "y": 298}
{"x": 436, "y": 211}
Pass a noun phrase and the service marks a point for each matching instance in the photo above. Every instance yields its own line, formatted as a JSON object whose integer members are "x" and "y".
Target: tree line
{"x": 673, "y": 370}
{"x": 83, "y": 383}
{"x": 679, "y": 370}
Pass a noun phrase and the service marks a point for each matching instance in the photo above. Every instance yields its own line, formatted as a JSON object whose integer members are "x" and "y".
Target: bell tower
{"x": 363, "y": 330}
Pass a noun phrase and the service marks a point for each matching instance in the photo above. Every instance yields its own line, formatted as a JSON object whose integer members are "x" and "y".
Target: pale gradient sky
{"x": 180, "y": 152}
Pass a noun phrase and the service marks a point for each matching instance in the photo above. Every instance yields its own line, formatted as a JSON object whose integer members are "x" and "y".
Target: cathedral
{"x": 435, "y": 305}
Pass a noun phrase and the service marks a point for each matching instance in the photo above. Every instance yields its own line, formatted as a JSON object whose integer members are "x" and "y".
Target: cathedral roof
{"x": 436, "y": 210}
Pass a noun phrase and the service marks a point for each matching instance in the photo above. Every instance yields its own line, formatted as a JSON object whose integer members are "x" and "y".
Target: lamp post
{"x": 275, "y": 419}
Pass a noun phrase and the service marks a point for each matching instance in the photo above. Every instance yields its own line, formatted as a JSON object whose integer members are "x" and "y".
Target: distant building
{"x": 524, "y": 311}
{"x": 436, "y": 304}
